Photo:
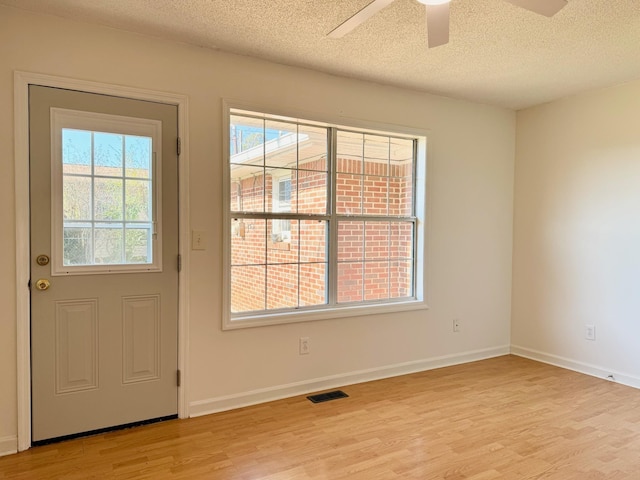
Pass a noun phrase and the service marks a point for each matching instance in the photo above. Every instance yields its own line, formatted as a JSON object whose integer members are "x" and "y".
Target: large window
{"x": 322, "y": 220}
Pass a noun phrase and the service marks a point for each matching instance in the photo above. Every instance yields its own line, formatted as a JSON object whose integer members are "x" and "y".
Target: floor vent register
{"x": 325, "y": 397}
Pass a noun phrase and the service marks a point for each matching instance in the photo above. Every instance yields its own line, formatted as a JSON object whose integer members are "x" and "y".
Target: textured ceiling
{"x": 498, "y": 53}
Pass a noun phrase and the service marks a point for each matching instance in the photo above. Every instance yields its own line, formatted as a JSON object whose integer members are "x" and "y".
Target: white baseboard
{"x": 253, "y": 397}
{"x": 577, "y": 366}
{"x": 8, "y": 445}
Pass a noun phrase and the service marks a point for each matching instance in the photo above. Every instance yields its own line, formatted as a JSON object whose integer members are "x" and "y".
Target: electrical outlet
{"x": 304, "y": 346}
{"x": 590, "y": 332}
{"x": 456, "y": 325}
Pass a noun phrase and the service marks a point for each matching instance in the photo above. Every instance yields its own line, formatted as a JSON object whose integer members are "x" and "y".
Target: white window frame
{"x": 72, "y": 119}
{"x": 323, "y": 312}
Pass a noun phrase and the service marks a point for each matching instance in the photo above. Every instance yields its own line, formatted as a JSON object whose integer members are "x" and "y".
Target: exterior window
{"x": 321, "y": 219}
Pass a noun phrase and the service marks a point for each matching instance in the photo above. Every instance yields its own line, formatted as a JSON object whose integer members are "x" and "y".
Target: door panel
{"x": 104, "y": 339}
{"x": 141, "y": 339}
{"x": 76, "y": 347}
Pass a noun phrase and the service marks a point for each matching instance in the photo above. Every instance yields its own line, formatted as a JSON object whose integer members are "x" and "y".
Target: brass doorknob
{"x": 43, "y": 284}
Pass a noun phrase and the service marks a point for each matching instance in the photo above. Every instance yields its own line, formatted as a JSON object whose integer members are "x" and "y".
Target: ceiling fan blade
{"x": 547, "y": 8}
{"x": 437, "y": 24}
{"x": 359, "y": 18}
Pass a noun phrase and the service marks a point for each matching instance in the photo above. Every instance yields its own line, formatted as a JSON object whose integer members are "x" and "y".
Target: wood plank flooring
{"x": 503, "y": 418}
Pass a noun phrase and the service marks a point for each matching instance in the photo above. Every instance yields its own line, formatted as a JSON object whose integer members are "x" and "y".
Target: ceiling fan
{"x": 438, "y": 16}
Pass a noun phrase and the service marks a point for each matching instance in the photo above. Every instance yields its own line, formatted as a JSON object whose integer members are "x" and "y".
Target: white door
{"x": 104, "y": 261}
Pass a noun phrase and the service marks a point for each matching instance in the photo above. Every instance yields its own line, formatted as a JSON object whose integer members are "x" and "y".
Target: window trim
{"x": 62, "y": 118}
{"x": 323, "y": 312}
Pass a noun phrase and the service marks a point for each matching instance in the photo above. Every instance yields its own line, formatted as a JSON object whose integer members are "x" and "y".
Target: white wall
{"x": 471, "y": 199}
{"x": 577, "y": 232}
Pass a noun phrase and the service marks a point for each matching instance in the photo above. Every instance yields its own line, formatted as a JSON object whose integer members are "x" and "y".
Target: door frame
{"x": 22, "y": 80}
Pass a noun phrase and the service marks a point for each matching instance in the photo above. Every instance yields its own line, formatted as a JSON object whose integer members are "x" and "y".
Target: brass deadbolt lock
{"x": 42, "y": 260}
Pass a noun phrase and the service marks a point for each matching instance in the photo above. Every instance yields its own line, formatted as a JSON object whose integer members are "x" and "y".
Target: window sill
{"x": 326, "y": 313}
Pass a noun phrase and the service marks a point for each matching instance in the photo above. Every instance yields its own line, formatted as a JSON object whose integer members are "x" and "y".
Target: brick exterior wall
{"x": 375, "y": 258}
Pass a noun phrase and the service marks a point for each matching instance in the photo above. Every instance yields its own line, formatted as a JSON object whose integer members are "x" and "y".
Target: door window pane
{"x": 77, "y": 198}
{"x": 138, "y": 245}
{"x": 108, "y": 194}
{"x": 76, "y": 151}
{"x": 137, "y": 156}
{"x": 138, "y": 204}
{"x": 108, "y": 244}
{"x": 107, "y": 154}
{"x": 107, "y": 198}
{"x": 77, "y": 245}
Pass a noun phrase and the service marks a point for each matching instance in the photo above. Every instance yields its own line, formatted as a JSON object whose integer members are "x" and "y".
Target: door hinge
{"x": 179, "y": 263}
{"x": 178, "y": 378}
{"x": 179, "y": 146}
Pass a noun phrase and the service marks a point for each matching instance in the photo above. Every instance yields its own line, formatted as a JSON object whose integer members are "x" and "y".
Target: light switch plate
{"x": 198, "y": 240}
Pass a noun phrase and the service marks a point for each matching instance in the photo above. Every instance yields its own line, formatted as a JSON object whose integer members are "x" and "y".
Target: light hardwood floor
{"x": 503, "y": 418}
